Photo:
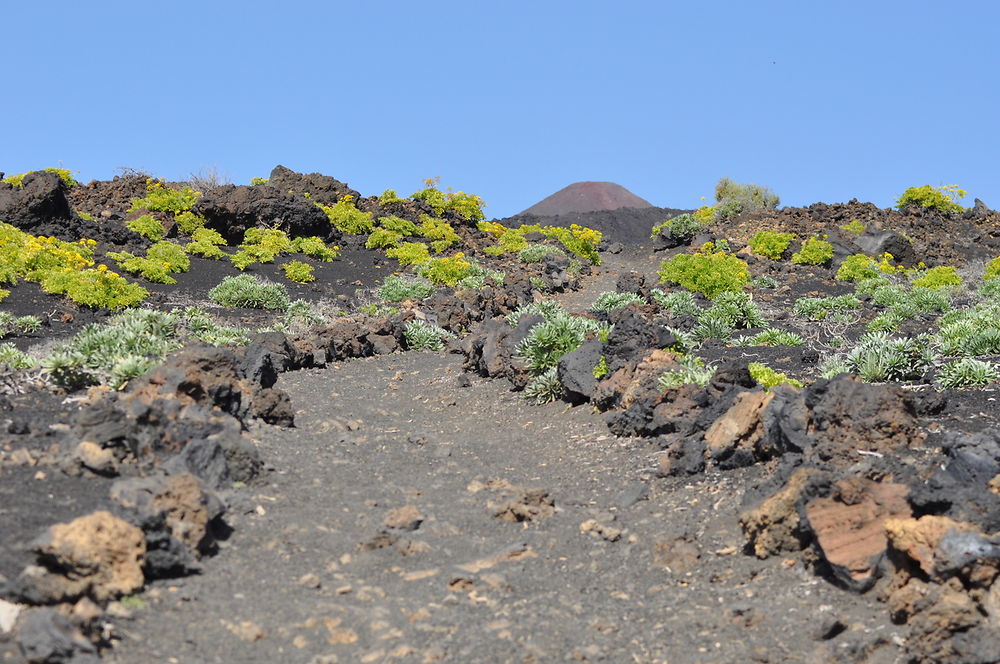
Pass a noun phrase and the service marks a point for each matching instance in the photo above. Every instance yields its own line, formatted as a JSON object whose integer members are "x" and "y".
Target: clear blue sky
{"x": 514, "y": 100}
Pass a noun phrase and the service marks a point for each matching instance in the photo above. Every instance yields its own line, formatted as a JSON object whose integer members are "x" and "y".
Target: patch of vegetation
{"x": 857, "y": 267}
{"x": 609, "y": 301}
{"x": 768, "y": 378}
{"x": 536, "y": 253}
{"x": 880, "y": 358}
{"x": 347, "y": 218}
{"x": 64, "y": 174}
{"x": 466, "y": 205}
{"x": 939, "y": 277}
{"x": 970, "y": 332}
{"x": 161, "y": 198}
{"x": 206, "y": 243}
{"x": 189, "y": 222}
{"x": 257, "y": 181}
{"x": 601, "y": 369}
{"x": 692, "y": 371}
{"x": 147, "y": 226}
{"x": 397, "y": 289}
{"x": 944, "y": 198}
{"x": 732, "y": 198}
{"x": 421, "y": 335}
{"x": 439, "y": 231}
{"x": 98, "y": 288}
{"x": 771, "y": 244}
{"x": 260, "y": 245}
{"x": 578, "y": 240}
{"x": 678, "y": 303}
{"x": 410, "y": 253}
{"x": 992, "y": 269}
{"x": 251, "y": 292}
{"x": 389, "y": 197}
{"x": 549, "y": 340}
{"x": 545, "y": 387}
{"x": 199, "y": 324}
{"x": 682, "y": 227}
{"x": 298, "y": 272}
{"x": 967, "y": 372}
{"x": 13, "y": 358}
{"x": 854, "y": 227}
{"x": 775, "y": 337}
{"x": 11, "y": 324}
{"x": 814, "y": 251}
{"x": 448, "y": 270}
{"x": 161, "y": 260}
{"x": 706, "y": 272}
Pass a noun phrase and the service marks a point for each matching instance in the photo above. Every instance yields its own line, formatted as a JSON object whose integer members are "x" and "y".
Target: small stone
{"x": 404, "y": 518}
{"x": 8, "y": 615}
{"x": 246, "y": 630}
{"x": 310, "y": 581}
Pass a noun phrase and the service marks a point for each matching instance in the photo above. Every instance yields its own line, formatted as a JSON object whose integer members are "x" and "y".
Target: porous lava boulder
{"x": 321, "y": 188}
{"x": 39, "y": 202}
{"x": 98, "y": 556}
{"x": 231, "y": 210}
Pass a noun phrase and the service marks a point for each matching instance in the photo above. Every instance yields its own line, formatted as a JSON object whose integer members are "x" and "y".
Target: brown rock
{"x": 99, "y": 554}
{"x": 530, "y": 505}
{"x": 179, "y": 498}
{"x": 676, "y": 554}
{"x": 742, "y": 426}
{"x": 917, "y": 539}
{"x": 849, "y": 526}
{"x": 97, "y": 459}
{"x": 407, "y": 517}
{"x": 775, "y": 526}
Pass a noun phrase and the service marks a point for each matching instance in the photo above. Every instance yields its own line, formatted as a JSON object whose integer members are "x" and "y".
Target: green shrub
{"x": 97, "y": 288}
{"x": 147, "y": 226}
{"x": 880, "y": 358}
{"x": 678, "y": 303}
{"x": 858, "y": 267}
{"x": 939, "y": 277}
{"x": 439, "y": 231}
{"x": 992, "y": 269}
{"x": 549, "y": 340}
{"x": 854, "y": 227}
{"x": 733, "y": 198}
{"x": 13, "y": 358}
{"x": 770, "y": 244}
{"x": 536, "y": 253}
{"x": 448, "y": 271}
{"x": 410, "y": 253}
{"x": 251, "y": 292}
{"x": 692, "y": 371}
{"x": 397, "y": 289}
{"x": 160, "y": 198}
{"x": 768, "y": 378}
{"x": 161, "y": 260}
{"x": 970, "y": 332}
{"x": 421, "y": 335}
{"x": 260, "y": 245}
{"x": 601, "y": 369}
{"x": 466, "y": 205}
{"x": 706, "y": 272}
{"x": 776, "y": 337}
{"x": 610, "y": 301}
{"x": 682, "y": 226}
{"x": 346, "y": 218}
{"x": 814, "y": 251}
{"x": 84, "y": 215}
{"x": 189, "y": 222}
{"x": 205, "y": 243}
{"x": 544, "y": 388}
{"x": 257, "y": 181}
{"x": 315, "y": 247}
{"x": 944, "y": 198}
{"x": 298, "y": 272}
{"x": 967, "y": 372}
{"x": 388, "y": 197}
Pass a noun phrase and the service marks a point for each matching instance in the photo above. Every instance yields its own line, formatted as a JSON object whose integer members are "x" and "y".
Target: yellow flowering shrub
{"x": 161, "y": 198}
{"x": 448, "y": 271}
{"x": 63, "y": 173}
{"x": 298, "y": 271}
{"x": 347, "y": 218}
{"x": 576, "y": 239}
{"x": 161, "y": 260}
{"x": 410, "y": 253}
{"x": 99, "y": 287}
{"x": 438, "y": 231}
{"x": 147, "y": 226}
{"x": 206, "y": 243}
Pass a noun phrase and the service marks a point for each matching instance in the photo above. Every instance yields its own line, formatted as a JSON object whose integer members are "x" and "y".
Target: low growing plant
{"x": 768, "y": 378}
{"x": 347, "y": 218}
{"x": 397, "y": 289}
{"x": 967, "y": 372}
{"x": 206, "y": 243}
{"x": 147, "y": 226}
{"x": 944, "y": 198}
{"x": 609, "y": 301}
{"x": 706, "y": 272}
{"x": 939, "y": 277}
{"x": 161, "y": 260}
{"x": 814, "y": 251}
{"x": 161, "y": 198}
{"x": 250, "y": 292}
{"x": 770, "y": 244}
{"x": 421, "y": 335}
{"x": 298, "y": 272}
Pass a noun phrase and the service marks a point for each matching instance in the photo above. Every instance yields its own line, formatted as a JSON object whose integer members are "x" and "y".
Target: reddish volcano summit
{"x": 587, "y": 197}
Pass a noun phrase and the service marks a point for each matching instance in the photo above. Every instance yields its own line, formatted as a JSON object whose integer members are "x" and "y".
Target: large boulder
{"x": 39, "y": 202}
{"x": 231, "y": 210}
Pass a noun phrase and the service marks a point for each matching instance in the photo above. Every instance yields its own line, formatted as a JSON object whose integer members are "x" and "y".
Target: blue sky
{"x": 514, "y": 100}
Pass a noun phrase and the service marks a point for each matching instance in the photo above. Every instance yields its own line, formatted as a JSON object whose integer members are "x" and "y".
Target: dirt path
{"x": 380, "y": 536}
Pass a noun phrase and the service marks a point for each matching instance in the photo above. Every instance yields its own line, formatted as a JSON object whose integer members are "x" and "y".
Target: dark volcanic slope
{"x": 587, "y": 197}
{"x": 630, "y": 226}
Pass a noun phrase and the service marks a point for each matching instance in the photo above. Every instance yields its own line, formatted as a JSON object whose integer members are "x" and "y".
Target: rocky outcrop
{"x": 321, "y": 188}
{"x": 39, "y": 202}
{"x": 231, "y": 210}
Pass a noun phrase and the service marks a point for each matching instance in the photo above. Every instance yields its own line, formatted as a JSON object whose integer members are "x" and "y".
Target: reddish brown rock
{"x": 775, "y": 525}
{"x": 740, "y": 428}
{"x": 97, "y": 555}
{"x": 849, "y": 527}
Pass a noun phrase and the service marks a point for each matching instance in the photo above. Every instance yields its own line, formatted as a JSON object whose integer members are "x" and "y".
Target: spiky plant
{"x": 967, "y": 372}
{"x": 693, "y": 370}
{"x": 245, "y": 290}
{"x": 549, "y": 340}
{"x": 11, "y": 357}
{"x": 609, "y": 301}
{"x": 544, "y": 388}
{"x": 881, "y": 358}
{"x": 546, "y": 308}
{"x": 776, "y": 337}
{"x": 397, "y": 289}
{"x": 421, "y": 335}
{"x": 678, "y": 303}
